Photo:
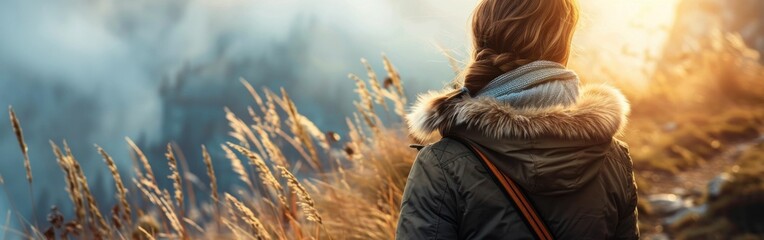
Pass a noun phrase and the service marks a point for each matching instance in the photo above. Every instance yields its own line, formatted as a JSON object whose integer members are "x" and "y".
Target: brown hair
{"x": 510, "y": 33}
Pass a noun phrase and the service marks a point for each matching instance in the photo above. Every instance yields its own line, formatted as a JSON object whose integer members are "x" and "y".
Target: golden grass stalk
{"x": 395, "y": 80}
{"x": 136, "y": 165}
{"x": 249, "y": 218}
{"x": 315, "y": 132}
{"x": 144, "y": 161}
{"x": 271, "y": 116}
{"x": 361, "y": 134}
{"x": 162, "y": 200}
{"x": 22, "y": 144}
{"x": 186, "y": 176}
{"x": 237, "y": 167}
{"x": 175, "y": 177}
{"x": 369, "y": 118}
{"x": 193, "y": 224}
{"x": 213, "y": 184}
{"x": 255, "y": 95}
{"x": 366, "y": 106}
{"x": 72, "y": 184}
{"x": 273, "y": 151}
{"x": 305, "y": 200}
{"x": 146, "y": 233}
{"x": 210, "y": 173}
{"x": 353, "y": 148}
{"x": 77, "y": 187}
{"x": 258, "y": 121}
{"x": 95, "y": 214}
{"x": 367, "y": 100}
{"x": 376, "y": 89}
{"x": 121, "y": 190}
{"x": 24, "y": 150}
{"x": 266, "y": 176}
{"x": 392, "y": 73}
{"x": 97, "y": 221}
{"x": 299, "y": 131}
{"x": 241, "y": 131}
{"x": 167, "y": 207}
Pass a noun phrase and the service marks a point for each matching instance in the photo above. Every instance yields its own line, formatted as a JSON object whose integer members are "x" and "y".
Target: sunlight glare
{"x": 627, "y": 34}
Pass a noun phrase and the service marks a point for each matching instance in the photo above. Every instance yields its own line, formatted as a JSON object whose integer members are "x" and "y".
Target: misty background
{"x": 163, "y": 71}
{"x": 96, "y": 71}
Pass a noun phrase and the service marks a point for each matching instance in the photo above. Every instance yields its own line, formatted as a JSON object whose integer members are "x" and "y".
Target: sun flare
{"x": 623, "y": 33}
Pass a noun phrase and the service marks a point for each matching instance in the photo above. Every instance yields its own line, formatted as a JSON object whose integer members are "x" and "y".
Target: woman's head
{"x": 510, "y": 33}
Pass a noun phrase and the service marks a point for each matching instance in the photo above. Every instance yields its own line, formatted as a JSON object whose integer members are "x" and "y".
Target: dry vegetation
{"x": 353, "y": 193}
{"x": 351, "y": 187}
{"x": 697, "y": 105}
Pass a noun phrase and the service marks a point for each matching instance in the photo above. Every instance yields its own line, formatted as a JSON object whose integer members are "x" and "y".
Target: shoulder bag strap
{"x": 524, "y": 206}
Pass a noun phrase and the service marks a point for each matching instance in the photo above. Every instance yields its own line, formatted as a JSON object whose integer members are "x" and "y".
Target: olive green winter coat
{"x": 577, "y": 175}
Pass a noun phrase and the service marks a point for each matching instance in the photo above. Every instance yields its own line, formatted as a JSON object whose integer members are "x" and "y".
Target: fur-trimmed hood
{"x": 552, "y": 149}
{"x": 600, "y": 113}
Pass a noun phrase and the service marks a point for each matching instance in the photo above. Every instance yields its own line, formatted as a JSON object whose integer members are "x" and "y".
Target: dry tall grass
{"x": 352, "y": 188}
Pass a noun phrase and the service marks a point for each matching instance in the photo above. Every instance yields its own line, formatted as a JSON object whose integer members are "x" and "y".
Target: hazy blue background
{"x": 160, "y": 71}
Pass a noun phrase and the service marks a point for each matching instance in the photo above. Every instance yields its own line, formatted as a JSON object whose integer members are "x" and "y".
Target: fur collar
{"x": 599, "y": 113}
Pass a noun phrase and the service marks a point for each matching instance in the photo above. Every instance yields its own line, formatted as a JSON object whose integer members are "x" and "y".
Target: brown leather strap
{"x": 525, "y": 208}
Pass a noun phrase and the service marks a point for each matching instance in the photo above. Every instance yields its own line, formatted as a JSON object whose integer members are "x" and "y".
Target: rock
{"x": 716, "y": 184}
{"x": 685, "y": 212}
{"x": 664, "y": 204}
{"x": 681, "y": 192}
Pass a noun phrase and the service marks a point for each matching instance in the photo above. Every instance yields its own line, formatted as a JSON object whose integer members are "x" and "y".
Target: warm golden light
{"x": 622, "y": 33}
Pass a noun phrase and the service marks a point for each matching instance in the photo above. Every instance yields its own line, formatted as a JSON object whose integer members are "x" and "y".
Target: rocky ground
{"x": 672, "y": 197}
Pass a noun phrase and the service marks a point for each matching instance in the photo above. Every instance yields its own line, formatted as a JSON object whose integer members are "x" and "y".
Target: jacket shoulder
{"x": 619, "y": 151}
{"x": 443, "y": 151}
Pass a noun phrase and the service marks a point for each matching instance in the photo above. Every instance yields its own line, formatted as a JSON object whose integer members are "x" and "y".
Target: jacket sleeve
{"x": 428, "y": 206}
{"x": 628, "y": 224}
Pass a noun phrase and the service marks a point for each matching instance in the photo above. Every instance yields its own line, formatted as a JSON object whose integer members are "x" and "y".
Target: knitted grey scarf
{"x": 536, "y": 84}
